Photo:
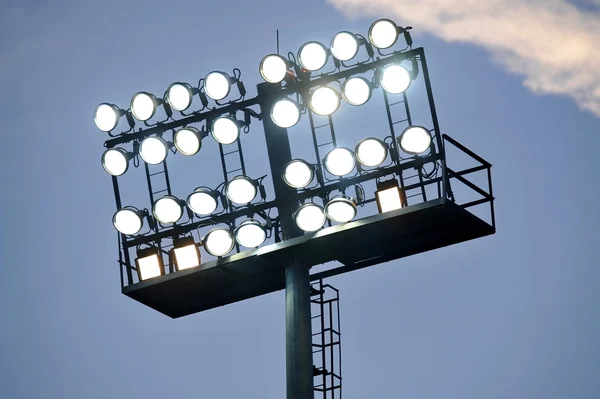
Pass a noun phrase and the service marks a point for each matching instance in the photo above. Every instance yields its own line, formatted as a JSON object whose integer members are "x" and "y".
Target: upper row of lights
{"x": 312, "y": 56}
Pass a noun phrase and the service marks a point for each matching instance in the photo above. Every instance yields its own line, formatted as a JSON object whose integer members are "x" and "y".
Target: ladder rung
{"x": 324, "y": 144}
{"x": 314, "y": 317}
{"x": 403, "y": 120}
{"x": 320, "y": 126}
{"x": 161, "y": 191}
{"x": 397, "y": 102}
{"x": 231, "y": 152}
{"x": 157, "y": 173}
{"x": 234, "y": 170}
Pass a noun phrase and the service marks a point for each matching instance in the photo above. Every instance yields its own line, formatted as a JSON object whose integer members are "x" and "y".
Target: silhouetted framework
{"x": 326, "y": 340}
{"x": 438, "y": 206}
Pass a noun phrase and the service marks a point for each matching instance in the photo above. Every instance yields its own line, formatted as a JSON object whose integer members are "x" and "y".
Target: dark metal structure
{"x": 326, "y": 340}
{"x": 433, "y": 216}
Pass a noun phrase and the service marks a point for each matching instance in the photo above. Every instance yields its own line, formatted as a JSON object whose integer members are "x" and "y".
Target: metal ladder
{"x": 226, "y": 159}
{"x": 326, "y": 340}
{"x": 329, "y": 141}
{"x": 157, "y": 177}
{"x": 404, "y": 121}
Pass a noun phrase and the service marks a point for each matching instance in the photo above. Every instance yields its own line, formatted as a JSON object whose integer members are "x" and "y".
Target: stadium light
{"x": 310, "y": 217}
{"x": 153, "y": 150}
{"x": 203, "y": 201}
{"x": 186, "y": 253}
{"x": 371, "y": 152}
{"x": 241, "y": 190}
{"x": 274, "y": 68}
{"x": 250, "y": 233}
{"x": 179, "y": 96}
{"x": 149, "y": 263}
{"x": 115, "y": 161}
{"x": 339, "y": 161}
{"x": 415, "y": 140}
{"x": 389, "y": 196}
{"x": 188, "y": 141}
{"x": 298, "y": 173}
{"x": 356, "y": 90}
{"x": 167, "y": 209}
{"x": 285, "y": 113}
{"x": 226, "y": 129}
{"x": 128, "y": 220}
{"x": 313, "y": 56}
{"x": 218, "y": 242}
{"x": 324, "y": 100}
{"x": 341, "y": 209}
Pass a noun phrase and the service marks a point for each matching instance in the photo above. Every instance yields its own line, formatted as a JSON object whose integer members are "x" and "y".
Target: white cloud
{"x": 553, "y": 44}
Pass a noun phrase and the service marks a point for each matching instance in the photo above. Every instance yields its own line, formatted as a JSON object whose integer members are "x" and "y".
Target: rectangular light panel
{"x": 389, "y": 199}
{"x": 187, "y": 257}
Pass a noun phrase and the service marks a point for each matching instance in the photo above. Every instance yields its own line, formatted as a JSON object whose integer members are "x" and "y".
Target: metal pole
{"x": 298, "y": 334}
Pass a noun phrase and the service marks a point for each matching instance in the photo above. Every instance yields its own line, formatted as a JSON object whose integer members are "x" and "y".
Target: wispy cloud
{"x": 553, "y": 44}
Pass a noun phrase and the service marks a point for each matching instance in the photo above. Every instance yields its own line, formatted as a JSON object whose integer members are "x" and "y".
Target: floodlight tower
{"x": 316, "y": 203}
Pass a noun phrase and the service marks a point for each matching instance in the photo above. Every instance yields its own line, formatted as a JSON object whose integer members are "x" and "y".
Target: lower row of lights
{"x": 250, "y": 233}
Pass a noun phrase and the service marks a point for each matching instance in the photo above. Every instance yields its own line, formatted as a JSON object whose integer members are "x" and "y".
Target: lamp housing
{"x": 389, "y": 196}
{"x": 185, "y": 253}
{"x": 149, "y": 263}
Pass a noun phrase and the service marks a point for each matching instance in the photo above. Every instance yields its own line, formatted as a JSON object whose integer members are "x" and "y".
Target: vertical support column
{"x": 298, "y": 339}
{"x": 436, "y": 125}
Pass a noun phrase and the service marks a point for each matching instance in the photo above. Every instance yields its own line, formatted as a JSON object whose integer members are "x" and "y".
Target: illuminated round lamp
{"x": 115, "y": 161}
{"x": 324, "y": 101}
{"x": 143, "y": 105}
{"x": 273, "y": 68}
{"x": 218, "y": 242}
{"x": 344, "y": 46}
{"x": 128, "y": 220}
{"x": 179, "y": 96}
{"x": 341, "y": 209}
{"x": 106, "y": 116}
{"x": 225, "y": 130}
{"x": 415, "y": 140}
{"x": 312, "y": 56}
{"x": 371, "y": 152}
{"x": 240, "y": 190}
{"x": 395, "y": 79}
{"x": 217, "y": 85}
{"x": 339, "y": 161}
{"x": 356, "y": 90}
{"x": 285, "y": 113}
{"x": 310, "y": 217}
{"x": 188, "y": 141}
{"x": 250, "y": 234}
{"x": 153, "y": 150}
{"x": 383, "y": 33}
{"x": 298, "y": 173}
{"x": 167, "y": 209}
{"x": 202, "y": 201}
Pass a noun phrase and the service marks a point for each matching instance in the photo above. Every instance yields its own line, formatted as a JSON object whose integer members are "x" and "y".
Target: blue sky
{"x": 511, "y": 315}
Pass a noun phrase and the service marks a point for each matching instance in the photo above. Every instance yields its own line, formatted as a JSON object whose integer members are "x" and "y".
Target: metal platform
{"x": 365, "y": 242}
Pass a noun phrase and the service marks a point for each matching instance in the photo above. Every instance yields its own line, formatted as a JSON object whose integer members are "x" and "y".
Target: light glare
{"x": 297, "y": 174}
{"x": 149, "y": 267}
{"x": 127, "y": 221}
{"x": 395, "y": 79}
{"x": 218, "y": 242}
{"x": 240, "y": 190}
{"x": 356, "y": 91}
{"x": 415, "y": 140}
{"x": 285, "y": 113}
{"x": 225, "y": 130}
{"x": 153, "y": 150}
{"x": 371, "y": 152}
{"x": 187, "y": 141}
{"x": 389, "y": 199}
{"x": 167, "y": 210}
{"x": 106, "y": 117}
{"x": 250, "y": 234}
{"x": 312, "y": 56}
{"x": 216, "y": 85}
{"x": 340, "y": 210}
{"x": 273, "y": 68}
{"x": 202, "y": 202}
{"x": 324, "y": 101}
{"x": 310, "y": 217}
{"x": 143, "y": 106}
{"x": 115, "y": 161}
{"x": 383, "y": 34}
{"x": 180, "y": 96}
{"x": 339, "y": 161}
{"x": 344, "y": 46}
